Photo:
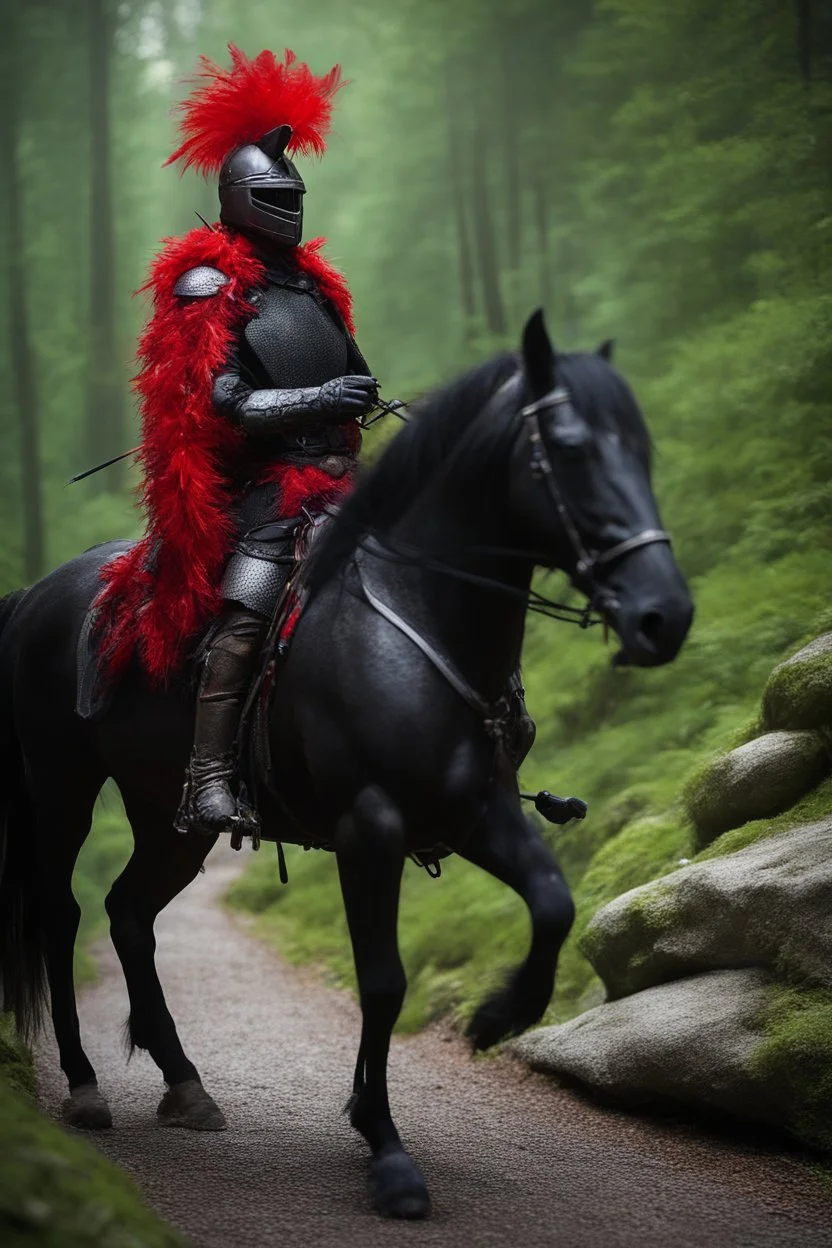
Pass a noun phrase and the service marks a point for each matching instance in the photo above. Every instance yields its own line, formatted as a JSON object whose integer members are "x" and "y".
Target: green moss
{"x": 58, "y": 1192}
{"x": 799, "y": 695}
{"x": 795, "y": 1057}
{"x": 55, "y": 1190}
{"x": 16, "y": 1066}
{"x": 814, "y": 806}
{"x": 698, "y": 799}
{"x": 643, "y": 850}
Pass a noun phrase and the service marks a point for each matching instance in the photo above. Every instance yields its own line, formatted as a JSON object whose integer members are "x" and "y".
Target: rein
{"x": 495, "y": 715}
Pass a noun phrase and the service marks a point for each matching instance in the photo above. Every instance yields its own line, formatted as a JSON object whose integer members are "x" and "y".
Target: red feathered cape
{"x": 161, "y": 594}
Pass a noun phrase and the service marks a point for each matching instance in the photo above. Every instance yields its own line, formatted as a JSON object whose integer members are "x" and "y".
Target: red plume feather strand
{"x": 159, "y": 595}
{"x": 239, "y": 105}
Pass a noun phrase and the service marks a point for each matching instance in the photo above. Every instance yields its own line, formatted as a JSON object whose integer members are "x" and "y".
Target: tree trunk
{"x": 541, "y": 217}
{"x": 105, "y": 406}
{"x": 22, "y": 362}
{"x": 495, "y": 318}
{"x": 511, "y": 133}
{"x": 804, "y": 38}
{"x": 457, "y": 179}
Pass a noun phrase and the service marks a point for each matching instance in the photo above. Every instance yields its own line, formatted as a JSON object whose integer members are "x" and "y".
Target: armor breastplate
{"x": 295, "y": 339}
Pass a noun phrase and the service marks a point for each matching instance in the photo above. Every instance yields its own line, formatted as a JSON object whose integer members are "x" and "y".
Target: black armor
{"x": 294, "y": 383}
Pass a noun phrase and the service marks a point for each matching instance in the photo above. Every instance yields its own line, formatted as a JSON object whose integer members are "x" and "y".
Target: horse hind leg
{"x": 162, "y": 864}
{"x": 370, "y": 853}
{"x": 509, "y": 847}
{"x": 62, "y": 805}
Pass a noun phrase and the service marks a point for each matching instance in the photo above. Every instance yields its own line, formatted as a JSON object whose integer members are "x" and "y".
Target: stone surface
{"x": 691, "y": 1041}
{"x": 768, "y": 905}
{"x": 756, "y": 781}
{"x": 799, "y": 691}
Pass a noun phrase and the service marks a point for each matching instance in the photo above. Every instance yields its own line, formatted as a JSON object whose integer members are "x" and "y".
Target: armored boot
{"x": 209, "y": 802}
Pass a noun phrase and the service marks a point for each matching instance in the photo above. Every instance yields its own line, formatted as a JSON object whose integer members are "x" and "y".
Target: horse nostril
{"x": 652, "y": 623}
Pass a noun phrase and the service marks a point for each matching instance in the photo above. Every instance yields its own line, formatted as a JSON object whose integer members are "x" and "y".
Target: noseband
{"x": 587, "y": 562}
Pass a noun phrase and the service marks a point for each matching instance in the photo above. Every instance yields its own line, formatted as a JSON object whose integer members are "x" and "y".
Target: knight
{"x": 251, "y": 388}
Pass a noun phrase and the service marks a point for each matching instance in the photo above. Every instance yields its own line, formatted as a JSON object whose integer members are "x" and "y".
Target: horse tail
{"x": 22, "y": 943}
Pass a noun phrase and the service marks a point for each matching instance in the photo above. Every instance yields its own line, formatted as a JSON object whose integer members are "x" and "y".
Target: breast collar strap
{"x": 587, "y": 562}
{"x": 493, "y": 714}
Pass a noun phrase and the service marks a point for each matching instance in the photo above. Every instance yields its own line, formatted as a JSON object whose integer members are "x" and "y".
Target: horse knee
{"x": 129, "y": 932}
{"x": 552, "y": 908}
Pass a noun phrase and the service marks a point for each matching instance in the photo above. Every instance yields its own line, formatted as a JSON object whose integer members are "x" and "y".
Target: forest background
{"x": 656, "y": 173}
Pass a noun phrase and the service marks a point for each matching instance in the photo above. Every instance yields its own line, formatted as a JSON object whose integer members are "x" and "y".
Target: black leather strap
{"x": 493, "y": 714}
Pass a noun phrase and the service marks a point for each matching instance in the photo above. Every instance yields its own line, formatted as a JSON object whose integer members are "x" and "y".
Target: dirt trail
{"x": 510, "y": 1158}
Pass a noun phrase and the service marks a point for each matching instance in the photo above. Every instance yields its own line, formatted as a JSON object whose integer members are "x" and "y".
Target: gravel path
{"x": 510, "y": 1158}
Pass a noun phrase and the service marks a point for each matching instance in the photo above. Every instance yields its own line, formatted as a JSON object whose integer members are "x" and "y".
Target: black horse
{"x": 384, "y": 724}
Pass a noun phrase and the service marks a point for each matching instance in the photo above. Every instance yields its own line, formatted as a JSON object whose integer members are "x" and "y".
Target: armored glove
{"x": 290, "y": 411}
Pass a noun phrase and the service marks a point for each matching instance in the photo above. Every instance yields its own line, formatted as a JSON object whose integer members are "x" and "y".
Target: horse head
{"x": 582, "y": 496}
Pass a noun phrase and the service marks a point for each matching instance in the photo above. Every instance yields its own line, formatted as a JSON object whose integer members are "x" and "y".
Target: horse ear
{"x": 539, "y": 359}
{"x": 605, "y": 349}
{"x": 274, "y": 143}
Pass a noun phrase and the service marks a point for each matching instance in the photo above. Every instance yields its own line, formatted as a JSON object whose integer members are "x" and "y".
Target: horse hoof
{"x": 187, "y": 1104}
{"x": 86, "y": 1108}
{"x": 397, "y": 1187}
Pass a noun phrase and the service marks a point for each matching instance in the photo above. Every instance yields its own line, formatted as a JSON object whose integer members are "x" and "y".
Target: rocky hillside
{"x": 718, "y": 976}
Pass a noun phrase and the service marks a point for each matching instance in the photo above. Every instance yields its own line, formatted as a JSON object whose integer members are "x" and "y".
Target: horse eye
{"x": 571, "y": 439}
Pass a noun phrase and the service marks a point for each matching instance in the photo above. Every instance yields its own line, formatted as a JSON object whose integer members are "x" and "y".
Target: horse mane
{"x": 385, "y": 491}
{"x": 439, "y": 423}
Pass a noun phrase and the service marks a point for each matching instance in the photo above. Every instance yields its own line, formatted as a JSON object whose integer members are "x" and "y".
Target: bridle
{"x": 587, "y": 562}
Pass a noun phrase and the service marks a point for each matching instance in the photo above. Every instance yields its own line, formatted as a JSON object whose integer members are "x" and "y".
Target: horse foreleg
{"x": 509, "y": 847}
{"x": 163, "y": 863}
{"x": 370, "y": 852}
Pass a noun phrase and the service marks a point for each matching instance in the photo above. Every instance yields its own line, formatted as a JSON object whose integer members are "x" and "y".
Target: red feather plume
{"x": 239, "y": 105}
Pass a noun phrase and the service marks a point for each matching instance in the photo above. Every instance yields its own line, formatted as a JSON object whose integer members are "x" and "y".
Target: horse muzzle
{"x": 647, "y": 602}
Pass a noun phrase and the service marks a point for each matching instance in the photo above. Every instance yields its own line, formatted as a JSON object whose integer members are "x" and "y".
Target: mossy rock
{"x": 766, "y": 905}
{"x": 733, "y": 1041}
{"x": 757, "y": 780}
{"x": 799, "y": 691}
{"x": 58, "y": 1192}
{"x": 795, "y": 1055}
{"x": 55, "y": 1190}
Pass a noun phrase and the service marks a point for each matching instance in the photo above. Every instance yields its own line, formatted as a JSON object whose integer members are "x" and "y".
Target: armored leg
{"x": 209, "y": 803}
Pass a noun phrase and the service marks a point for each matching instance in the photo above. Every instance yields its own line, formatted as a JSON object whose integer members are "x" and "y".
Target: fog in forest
{"x": 657, "y": 174}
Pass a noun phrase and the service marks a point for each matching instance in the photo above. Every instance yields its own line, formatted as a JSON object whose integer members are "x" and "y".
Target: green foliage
{"x": 795, "y": 1057}
{"x": 16, "y": 1066}
{"x": 103, "y": 857}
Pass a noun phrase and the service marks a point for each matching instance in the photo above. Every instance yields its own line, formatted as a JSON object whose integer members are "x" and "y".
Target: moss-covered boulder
{"x": 58, "y": 1192}
{"x": 755, "y": 781}
{"x": 799, "y": 691}
{"x": 55, "y": 1190}
{"x": 767, "y": 905}
{"x": 727, "y": 1040}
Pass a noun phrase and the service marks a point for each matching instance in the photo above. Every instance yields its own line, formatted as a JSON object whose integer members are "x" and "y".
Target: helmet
{"x": 240, "y": 122}
{"x": 261, "y": 191}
